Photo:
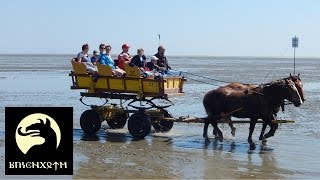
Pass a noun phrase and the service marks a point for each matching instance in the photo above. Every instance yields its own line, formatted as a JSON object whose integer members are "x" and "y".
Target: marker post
{"x": 295, "y": 42}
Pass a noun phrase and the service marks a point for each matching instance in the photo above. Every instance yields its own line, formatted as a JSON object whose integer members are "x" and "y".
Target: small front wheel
{"x": 118, "y": 120}
{"x": 90, "y": 121}
{"x": 163, "y": 126}
{"x": 139, "y": 125}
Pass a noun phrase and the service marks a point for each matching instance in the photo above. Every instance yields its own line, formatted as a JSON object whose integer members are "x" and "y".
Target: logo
{"x": 39, "y": 133}
{"x": 39, "y": 141}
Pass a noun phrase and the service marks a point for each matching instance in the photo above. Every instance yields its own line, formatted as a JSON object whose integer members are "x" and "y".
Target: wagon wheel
{"x": 139, "y": 125}
{"x": 163, "y": 126}
{"x": 90, "y": 121}
{"x": 118, "y": 120}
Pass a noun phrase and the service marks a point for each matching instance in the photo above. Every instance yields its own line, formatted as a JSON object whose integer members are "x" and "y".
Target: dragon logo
{"x": 37, "y": 133}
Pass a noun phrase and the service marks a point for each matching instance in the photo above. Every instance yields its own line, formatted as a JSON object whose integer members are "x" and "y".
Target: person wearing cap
{"x": 152, "y": 64}
{"x": 95, "y": 57}
{"x": 153, "y": 68}
{"x": 84, "y": 57}
{"x": 139, "y": 59}
{"x": 162, "y": 62}
{"x": 124, "y": 56}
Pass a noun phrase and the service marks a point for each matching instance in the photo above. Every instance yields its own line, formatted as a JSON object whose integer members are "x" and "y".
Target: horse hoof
{"x": 205, "y": 136}
{"x": 220, "y": 138}
{"x": 252, "y": 146}
{"x": 264, "y": 142}
{"x": 207, "y": 140}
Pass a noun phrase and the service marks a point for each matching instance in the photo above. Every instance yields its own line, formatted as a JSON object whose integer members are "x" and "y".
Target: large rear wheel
{"x": 139, "y": 125}
{"x": 90, "y": 121}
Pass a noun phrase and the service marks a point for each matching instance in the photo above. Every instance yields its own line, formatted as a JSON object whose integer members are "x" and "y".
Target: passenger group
{"x": 157, "y": 65}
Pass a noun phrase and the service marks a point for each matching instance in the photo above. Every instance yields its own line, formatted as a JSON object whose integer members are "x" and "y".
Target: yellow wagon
{"x": 132, "y": 87}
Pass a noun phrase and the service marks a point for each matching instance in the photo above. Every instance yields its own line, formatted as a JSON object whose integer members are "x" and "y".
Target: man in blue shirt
{"x": 105, "y": 58}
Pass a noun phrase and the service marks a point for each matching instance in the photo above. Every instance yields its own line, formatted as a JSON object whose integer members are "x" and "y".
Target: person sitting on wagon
{"x": 95, "y": 57}
{"x": 162, "y": 62}
{"x": 152, "y": 67}
{"x": 105, "y": 58}
{"x": 83, "y": 57}
{"x": 139, "y": 59}
{"x": 124, "y": 56}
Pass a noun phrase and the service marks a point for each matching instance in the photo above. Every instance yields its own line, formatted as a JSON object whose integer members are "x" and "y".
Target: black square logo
{"x": 39, "y": 140}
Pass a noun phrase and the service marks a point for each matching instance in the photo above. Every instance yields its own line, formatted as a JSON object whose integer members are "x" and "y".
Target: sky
{"x": 187, "y": 27}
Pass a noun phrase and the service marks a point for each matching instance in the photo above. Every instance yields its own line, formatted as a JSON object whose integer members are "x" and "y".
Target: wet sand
{"x": 181, "y": 153}
{"x": 122, "y": 157}
{"x": 115, "y": 154}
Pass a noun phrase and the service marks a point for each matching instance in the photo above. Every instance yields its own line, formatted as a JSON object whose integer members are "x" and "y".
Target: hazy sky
{"x": 187, "y": 27}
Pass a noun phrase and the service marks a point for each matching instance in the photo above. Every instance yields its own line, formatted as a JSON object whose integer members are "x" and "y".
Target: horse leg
{"x": 272, "y": 130}
{"x": 218, "y": 131}
{"x": 264, "y": 126}
{"x": 214, "y": 131}
{"x": 205, "y": 130}
{"x": 261, "y": 137}
{"x": 251, "y": 129}
{"x": 233, "y": 129}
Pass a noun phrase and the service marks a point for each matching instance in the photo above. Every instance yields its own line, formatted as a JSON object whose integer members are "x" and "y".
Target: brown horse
{"x": 248, "y": 87}
{"x": 240, "y": 87}
{"x": 255, "y": 103}
{"x": 298, "y": 84}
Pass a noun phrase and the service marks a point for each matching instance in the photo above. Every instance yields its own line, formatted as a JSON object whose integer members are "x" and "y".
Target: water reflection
{"x": 263, "y": 164}
{"x": 230, "y": 146}
{"x": 231, "y": 158}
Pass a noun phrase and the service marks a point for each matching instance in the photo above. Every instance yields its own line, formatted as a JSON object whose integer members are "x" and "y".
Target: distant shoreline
{"x": 179, "y": 56}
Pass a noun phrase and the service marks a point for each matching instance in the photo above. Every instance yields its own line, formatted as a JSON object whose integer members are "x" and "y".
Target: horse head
{"x": 293, "y": 94}
{"x": 298, "y": 83}
{"x": 283, "y": 89}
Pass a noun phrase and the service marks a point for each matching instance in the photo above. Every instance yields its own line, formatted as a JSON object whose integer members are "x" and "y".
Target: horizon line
{"x": 212, "y": 56}
{"x": 246, "y": 56}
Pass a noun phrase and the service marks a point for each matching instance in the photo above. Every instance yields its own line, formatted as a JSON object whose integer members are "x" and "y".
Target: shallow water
{"x": 42, "y": 80}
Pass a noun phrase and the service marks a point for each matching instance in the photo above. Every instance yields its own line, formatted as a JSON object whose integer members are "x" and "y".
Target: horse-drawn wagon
{"x": 234, "y": 99}
{"x": 141, "y": 92}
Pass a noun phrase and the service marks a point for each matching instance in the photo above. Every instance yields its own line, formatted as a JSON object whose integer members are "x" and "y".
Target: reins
{"x": 264, "y": 85}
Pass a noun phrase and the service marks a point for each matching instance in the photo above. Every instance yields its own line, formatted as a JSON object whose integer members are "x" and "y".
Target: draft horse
{"x": 298, "y": 84}
{"x": 256, "y": 102}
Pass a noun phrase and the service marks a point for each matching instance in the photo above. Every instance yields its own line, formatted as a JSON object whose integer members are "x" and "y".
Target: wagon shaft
{"x": 184, "y": 119}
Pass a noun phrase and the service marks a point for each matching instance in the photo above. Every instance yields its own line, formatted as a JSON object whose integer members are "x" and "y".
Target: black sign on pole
{"x": 295, "y": 42}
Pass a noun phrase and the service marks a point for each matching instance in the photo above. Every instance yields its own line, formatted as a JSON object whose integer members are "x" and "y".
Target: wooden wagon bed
{"x": 132, "y": 83}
